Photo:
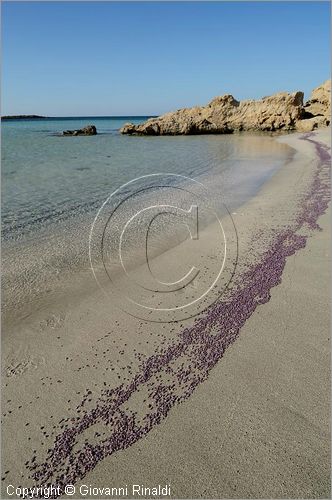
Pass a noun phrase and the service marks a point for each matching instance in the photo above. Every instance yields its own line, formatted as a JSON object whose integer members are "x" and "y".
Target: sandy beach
{"x": 233, "y": 403}
{"x": 166, "y": 250}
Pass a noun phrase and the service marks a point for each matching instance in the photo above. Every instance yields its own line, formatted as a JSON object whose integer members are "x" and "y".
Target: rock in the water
{"x": 128, "y": 128}
{"x": 224, "y": 115}
{"x": 88, "y": 130}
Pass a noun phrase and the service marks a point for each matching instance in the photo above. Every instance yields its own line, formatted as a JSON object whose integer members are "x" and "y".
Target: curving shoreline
{"x": 194, "y": 351}
{"x": 198, "y": 349}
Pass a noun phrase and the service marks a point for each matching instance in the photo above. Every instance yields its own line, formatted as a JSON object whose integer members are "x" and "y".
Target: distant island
{"x": 23, "y": 117}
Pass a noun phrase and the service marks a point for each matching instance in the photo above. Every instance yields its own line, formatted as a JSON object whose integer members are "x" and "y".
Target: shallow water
{"x": 48, "y": 178}
{"x": 53, "y": 186}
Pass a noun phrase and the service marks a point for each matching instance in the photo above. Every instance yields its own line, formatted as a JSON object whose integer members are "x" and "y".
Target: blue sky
{"x": 108, "y": 58}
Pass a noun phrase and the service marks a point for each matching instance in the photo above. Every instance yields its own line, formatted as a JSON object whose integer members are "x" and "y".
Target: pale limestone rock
{"x": 310, "y": 124}
{"x": 224, "y": 114}
{"x": 319, "y": 103}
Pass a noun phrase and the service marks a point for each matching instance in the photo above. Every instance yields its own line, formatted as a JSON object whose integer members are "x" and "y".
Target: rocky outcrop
{"x": 88, "y": 130}
{"x": 317, "y": 110}
{"x": 224, "y": 115}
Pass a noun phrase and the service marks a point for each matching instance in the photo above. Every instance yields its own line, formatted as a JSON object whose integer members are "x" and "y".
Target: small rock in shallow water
{"x": 88, "y": 130}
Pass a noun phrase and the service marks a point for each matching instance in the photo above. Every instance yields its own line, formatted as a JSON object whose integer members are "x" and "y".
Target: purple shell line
{"x": 171, "y": 377}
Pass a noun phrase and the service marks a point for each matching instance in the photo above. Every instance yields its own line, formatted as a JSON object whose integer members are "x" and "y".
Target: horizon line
{"x": 27, "y": 116}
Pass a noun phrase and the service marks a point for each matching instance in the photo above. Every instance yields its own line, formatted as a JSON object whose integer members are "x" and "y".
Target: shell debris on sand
{"x": 170, "y": 377}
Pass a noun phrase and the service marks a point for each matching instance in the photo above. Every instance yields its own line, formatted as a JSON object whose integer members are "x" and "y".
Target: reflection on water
{"x": 48, "y": 178}
{"x": 53, "y": 186}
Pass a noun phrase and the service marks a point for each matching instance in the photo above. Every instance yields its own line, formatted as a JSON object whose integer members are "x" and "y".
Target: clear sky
{"x": 108, "y": 58}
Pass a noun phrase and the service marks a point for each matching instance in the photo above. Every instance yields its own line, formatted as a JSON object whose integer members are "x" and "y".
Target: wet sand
{"x": 232, "y": 404}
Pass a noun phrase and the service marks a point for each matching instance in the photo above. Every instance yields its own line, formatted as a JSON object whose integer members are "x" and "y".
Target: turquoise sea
{"x": 53, "y": 186}
{"x": 47, "y": 178}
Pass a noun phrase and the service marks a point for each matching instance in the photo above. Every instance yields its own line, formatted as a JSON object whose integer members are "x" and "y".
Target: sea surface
{"x": 53, "y": 186}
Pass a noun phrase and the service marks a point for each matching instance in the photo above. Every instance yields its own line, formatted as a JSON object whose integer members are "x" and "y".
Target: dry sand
{"x": 237, "y": 406}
